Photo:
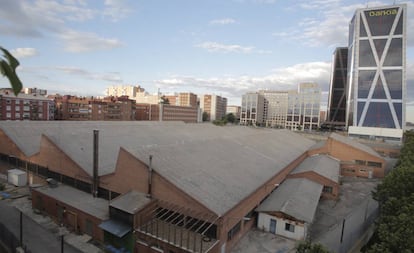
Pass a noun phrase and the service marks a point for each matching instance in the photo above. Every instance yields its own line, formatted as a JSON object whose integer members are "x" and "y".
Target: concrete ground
{"x": 263, "y": 242}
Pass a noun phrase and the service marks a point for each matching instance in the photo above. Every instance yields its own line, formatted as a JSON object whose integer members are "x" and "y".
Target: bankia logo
{"x": 387, "y": 12}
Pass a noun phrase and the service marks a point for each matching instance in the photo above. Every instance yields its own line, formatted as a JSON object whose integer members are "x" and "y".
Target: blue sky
{"x": 224, "y": 47}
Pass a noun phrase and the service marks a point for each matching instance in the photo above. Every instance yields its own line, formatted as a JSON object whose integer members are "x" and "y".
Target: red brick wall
{"x": 321, "y": 180}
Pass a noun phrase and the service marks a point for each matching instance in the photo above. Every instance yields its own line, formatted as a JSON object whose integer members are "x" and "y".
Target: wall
{"x": 321, "y": 180}
{"x": 263, "y": 223}
{"x": 73, "y": 218}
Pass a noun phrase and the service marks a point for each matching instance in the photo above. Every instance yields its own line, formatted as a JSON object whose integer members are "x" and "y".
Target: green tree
{"x": 8, "y": 65}
{"x": 309, "y": 247}
{"x": 395, "y": 195}
{"x": 230, "y": 118}
{"x": 205, "y": 116}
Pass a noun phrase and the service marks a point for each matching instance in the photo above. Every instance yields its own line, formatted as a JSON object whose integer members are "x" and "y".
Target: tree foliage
{"x": 395, "y": 195}
{"x": 230, "y": 118}
{"x": 309, "y": 247}
{"x": 8, "y": 65}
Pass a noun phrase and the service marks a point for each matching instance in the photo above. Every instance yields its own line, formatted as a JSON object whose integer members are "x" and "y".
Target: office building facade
{"x": 376, "y": 86}
{"x": 337, "y": 95}
{"x": 214, "y": 106}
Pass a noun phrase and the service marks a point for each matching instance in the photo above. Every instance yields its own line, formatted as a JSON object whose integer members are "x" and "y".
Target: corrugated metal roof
{"x": 296, "y": 197}
{"x": 354, "y": 144}
{"x": 218, "y": 166}
{"x": 321, "y": 164}
{"x": 115, "y": 227}
{"x": 80, "y": 200}
{"x": 130, "y": 202}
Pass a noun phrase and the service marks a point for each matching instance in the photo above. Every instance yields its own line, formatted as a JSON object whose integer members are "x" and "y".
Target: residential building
{"x": 124, "y": 90}
{"x": 34, "y": 91}
{"x": 90, "y": 108}
{"x": 25, "y": 107}
{"x": 376, "y": 91}
{"x": 214, "y": 106}
{"x": 337, "y": 93}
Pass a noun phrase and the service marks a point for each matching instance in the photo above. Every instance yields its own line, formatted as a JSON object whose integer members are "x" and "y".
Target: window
{"x": 8, "y": 108}
{"x": 234, "y": 231}
{"x": 360, "y": 162}
{"x": 327, "y": 189}
{"x": 374, "y": 164}
{"x": 290, "y": 227}
{"x": 8, "y": 101}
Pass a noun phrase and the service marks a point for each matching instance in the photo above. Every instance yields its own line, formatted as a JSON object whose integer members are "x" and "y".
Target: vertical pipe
{"x": 21, "y": 228}
{"x": 95, "y": 162}
{"x": 150, "y": 177}
{"x": 62, "y": 243}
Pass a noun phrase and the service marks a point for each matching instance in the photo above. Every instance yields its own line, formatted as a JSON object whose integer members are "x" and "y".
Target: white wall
{"x": 263, "y": 223}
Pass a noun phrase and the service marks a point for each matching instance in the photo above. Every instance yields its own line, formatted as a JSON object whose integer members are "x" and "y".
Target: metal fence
{"x": 343, "y": 236}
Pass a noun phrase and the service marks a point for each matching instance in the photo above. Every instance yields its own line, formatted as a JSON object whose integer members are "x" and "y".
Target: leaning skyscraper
{"x": 376, "y": 82}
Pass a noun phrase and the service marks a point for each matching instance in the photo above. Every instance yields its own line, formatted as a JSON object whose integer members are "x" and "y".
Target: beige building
{"x": 215, "y": 106}
{"x": 124, "y": 90}
{"x": 235, "y": 109}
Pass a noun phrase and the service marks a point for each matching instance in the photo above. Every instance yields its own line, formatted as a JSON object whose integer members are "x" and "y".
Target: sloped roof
{"x": 76, "y": 198}
{"x": 217, "y": 166}
{"x": 130, "y": 202}
{"x": 323, "y": 165}
{"x": 355, "y": 144}
{"x": 296, "y": 197}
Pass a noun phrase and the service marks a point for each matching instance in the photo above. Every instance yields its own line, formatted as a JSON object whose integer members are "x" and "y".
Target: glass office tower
{"x": 376, "y": 84}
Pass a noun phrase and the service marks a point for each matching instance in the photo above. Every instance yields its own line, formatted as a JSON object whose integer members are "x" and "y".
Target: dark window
{"x": 379, "y": 46}
{"x": 327, "y": 189}
{"x": 360, "y": 162}
{"x": 42, "y": 171}
{"x": 359, "y": 110}
{"x": 366, "y": 77}
{"x": 399, "y": 28}
{"x": 234, "y": 231}
{"x": 374, "y": 164}
{"x": 290, "y": 227}
{"x": 379, "y": 91}
{"x": 379, "y": 115}
{"x": 398, "y": 111}
{"x": 366, "y": 57}
{"x": 394, "y": 83}
{"x": 394, "y": 54}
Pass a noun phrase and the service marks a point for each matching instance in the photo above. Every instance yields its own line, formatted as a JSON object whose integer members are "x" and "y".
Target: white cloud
{"x": 84, "y": 42}
{"x": 83, "y": 73}
{"x": 224, "y": 21}
{"x": 279, "y": 79}
{"x": 116, "y": 9}
{"x": 218, "y": 47}
{"x": 23, "y": 52}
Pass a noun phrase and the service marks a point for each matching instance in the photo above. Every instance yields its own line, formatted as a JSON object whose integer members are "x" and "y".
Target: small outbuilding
{"x": 17, "y": 177}
{"x": 290, "y": 209}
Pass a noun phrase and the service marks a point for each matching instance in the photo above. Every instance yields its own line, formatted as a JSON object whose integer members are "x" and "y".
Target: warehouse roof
{"x": 83, "y": 201}
{"x": 130, "y": 202}
{"x": 296, "y": 197}
{"x": 323, "y": 165}
{"x": 354, "y": 143}
{"x": 217, "y": 166}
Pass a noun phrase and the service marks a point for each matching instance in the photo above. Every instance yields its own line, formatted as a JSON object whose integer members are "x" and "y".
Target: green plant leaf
{"x": 8, "y": 69}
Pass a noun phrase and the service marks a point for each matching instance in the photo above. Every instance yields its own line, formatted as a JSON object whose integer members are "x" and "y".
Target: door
{"x": 272, "y": 228}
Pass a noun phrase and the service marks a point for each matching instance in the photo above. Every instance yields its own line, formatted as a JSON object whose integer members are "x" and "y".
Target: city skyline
{"x": 225, "y": 48}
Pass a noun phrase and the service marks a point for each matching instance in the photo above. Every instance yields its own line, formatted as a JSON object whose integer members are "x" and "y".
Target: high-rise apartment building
{"x": 214, "y": 106}
{"x": 337, "y": 94}
{"x": 376, "y": 84}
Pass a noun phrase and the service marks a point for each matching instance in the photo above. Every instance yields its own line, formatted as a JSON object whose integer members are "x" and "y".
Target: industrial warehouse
{"x": 175, "y": 187}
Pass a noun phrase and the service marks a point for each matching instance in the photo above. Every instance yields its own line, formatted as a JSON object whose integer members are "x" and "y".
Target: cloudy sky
{"x": 224, "y": 47}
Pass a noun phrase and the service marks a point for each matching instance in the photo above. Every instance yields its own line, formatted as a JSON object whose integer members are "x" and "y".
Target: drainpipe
{"x": 95, "y": 182}
{"x": 150, "y": 177}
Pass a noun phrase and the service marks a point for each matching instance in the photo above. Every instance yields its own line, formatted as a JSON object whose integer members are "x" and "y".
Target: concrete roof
{"x": 218, "y": 166}
{"x": 354, "y": 144}
{"x": 80, "y": 200}
{"x": 296, "y": 197}
{"x": 130, "y": 202}
{"x": 323, "y": 165}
